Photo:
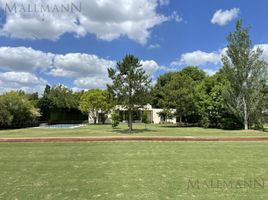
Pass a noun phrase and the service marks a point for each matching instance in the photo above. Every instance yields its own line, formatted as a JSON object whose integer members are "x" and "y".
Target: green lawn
{"x": 131, "y": 170}
{"x": 106, "y": 130}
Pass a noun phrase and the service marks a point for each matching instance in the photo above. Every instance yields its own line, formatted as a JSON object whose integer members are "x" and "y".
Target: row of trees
{"x": 196, "y": 97}
{"x": 57, "y": 104}
{"x": 234, "y": 97}
{"x": 60, "y": 103}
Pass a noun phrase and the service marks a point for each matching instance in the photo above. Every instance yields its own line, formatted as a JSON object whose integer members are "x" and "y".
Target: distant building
{"x": 152, "y": 113}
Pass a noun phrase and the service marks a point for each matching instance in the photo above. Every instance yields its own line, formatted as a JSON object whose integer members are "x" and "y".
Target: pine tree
{"x": 131, "y": 85}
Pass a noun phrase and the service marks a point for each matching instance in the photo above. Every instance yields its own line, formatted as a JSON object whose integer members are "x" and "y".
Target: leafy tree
{"x": 194, "y": 76}
{"x": 33, "y": 97}
{"x": 131, "y": 85}
{"x": 58, "y": 97}
{"x": 144, "y": 118}
{"x": 165, "y": 114}
{"x": 93, "y": 102}
{"x": 179, "y": 94}
{"x": 194, "y": 73}
{"x": 197, "y": 75}
{"x": 62, "y": 98}
{"x": 212, "y": 104}
{"x": 45, "y": 103}
{"x": 158, "y": 89}
{"x": 5, "y": 116}
{"x": 115, "y": 119}
{"x": 17, "y": 110}
{"x": 58, "y": 102}
{"x": 246, "y": 73}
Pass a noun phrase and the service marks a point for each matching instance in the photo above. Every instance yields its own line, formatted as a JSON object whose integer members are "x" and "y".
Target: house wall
{"x": 152, "y": 113}
{"x": 157, "y": 119}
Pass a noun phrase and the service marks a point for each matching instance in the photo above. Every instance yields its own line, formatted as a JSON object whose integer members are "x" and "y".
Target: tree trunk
{"x": 89, "y": 118}
{"x": 130, "y": 120}
{"x": 180, "y": 120}
{"x": 245, "y": 114}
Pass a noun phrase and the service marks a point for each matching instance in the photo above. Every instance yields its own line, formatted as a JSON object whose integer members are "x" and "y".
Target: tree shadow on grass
{"x": 135, "y": 131}
{"x": 177, "y": 126}
{"x": 265, "y": 130}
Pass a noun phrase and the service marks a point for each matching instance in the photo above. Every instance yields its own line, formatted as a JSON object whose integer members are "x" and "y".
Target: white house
{"x": 152, "y": 113}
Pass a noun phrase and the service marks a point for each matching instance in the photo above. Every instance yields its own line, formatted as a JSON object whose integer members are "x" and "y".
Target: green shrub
{"x": 115, "y": 119}
{"x": 144, "y": 118}
{"x": 17, "y": 111}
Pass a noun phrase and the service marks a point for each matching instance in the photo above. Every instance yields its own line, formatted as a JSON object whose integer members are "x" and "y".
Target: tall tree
{"x": 158, "y": 89}
{"x": 179, "y": 94}
{"x": 17, "y": 110}
{"x": 158, "y": 92}
{"x": 195, "y": 73}
{"x": 131, "y": 85}
{"x": 59, "y": 103}
{"x": 5, "y": 116}
{"x": 246, "y": 73}
{"x": 212, "y": 105}
{"x": 93, "y": 102}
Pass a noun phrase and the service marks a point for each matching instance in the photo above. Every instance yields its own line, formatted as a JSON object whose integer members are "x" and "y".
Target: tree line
{"x": 235, "y": 97}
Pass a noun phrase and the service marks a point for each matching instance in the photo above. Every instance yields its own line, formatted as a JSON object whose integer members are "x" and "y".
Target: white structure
{"x": 152, "y": 115}
{"x": 156, "y": 119}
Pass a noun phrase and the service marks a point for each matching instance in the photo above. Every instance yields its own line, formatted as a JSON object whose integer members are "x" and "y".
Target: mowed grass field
{"x": 107, "y": 130}
{"x": 131, "y": 170}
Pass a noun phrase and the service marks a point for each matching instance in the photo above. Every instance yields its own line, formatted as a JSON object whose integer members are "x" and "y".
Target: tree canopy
{"x": 130, "y": 85}
{"x": 93, "y": 102}
{"x": 246, "y": 73}
{"x": 59, "y": 103}
{"x": 16, "y": 110}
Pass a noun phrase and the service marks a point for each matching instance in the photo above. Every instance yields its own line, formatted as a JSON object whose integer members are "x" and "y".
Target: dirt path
{"x": 130, "y": 138}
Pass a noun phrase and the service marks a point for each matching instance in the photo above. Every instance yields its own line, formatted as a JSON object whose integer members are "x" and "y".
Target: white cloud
{"x": 164, "y": 2}
{"x": 176, "y": 17}
{"x": 18, "y": 65}
{"x": 210, "y": 72}
{"x": 200, "y": 58}
{"x": 89, "y": 71}
{"x": 24, "y": 59}
{"x": 264, "y": 48}
{"x": 21, "y": 81}
{"x": 17, "y": 62}
{"x": 154, "y": 46}
{"x": 92, "y": 82}
{"x": 221, "y": 17}
{"x": 150, "y": 66}
{"x": 106, "y": 19}
{"x": 100, "y": 80}
{"x": 77, "y": 65}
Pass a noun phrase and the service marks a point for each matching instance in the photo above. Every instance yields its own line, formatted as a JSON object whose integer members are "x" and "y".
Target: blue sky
{"x": 75, "y": 49}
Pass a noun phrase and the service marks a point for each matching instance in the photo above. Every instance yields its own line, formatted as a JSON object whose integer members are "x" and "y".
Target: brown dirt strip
{"x": 104, "y": 139}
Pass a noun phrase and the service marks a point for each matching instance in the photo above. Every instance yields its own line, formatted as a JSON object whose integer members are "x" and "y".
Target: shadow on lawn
{"x": 135, "y": 131}
{"x": 177, "y": 126}
{"x": 265, "y": 129}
